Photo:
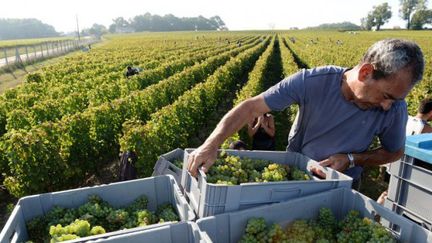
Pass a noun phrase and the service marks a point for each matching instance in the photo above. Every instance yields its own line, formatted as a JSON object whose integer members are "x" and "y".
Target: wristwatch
{"x": 351, "y": 160}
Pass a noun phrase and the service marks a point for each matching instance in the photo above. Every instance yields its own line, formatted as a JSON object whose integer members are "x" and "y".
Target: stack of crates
{"x": 220, "y": 211}
{"x": 410, "y": 187}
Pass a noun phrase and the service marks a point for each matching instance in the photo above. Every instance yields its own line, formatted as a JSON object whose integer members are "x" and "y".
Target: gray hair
{"x": 391, "y": 55}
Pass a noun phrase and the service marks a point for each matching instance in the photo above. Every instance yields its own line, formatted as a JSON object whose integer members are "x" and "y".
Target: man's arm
{"x": 340, "y": 162}
{"x": 427, "y": 129}
{"x": 245, "y": 112}
{"x": 252, "y": 129}
{"x": 269, "y": 126}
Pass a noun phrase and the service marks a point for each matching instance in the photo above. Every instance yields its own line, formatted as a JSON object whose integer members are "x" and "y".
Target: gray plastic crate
{"x": 210, "y": 199}
{"x": 159, "y": 190}
{"x": 411, "y": 199}
{"x": 414, "y": 170}
{"x": 401, "y": 210}
{"x": 164, "y": 165}
{"x": 184, "y": 232}
{"x": 229, "y": 227}
{"x": 410, "y": 187}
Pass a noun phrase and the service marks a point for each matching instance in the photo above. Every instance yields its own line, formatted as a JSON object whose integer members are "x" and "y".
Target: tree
{"x": 382, "y": 13}
{"x": 98, "y": 30}
{"x": 377, "y": 17}
{"x": 408, "y": 7}
{"x": 119, "y": 25}
{"x": 368, "y": 22}
{"x": 420, "y": 18}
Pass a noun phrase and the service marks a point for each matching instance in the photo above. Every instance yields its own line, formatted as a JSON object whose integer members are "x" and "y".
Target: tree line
{"x": 25, "y": 28}
{"x": 414, "y": 12}
{"x": 169, "y": 22}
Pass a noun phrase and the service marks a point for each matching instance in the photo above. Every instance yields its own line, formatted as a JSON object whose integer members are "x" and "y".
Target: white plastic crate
{"x": 230, "y": 227}
{"x": 184, "y": 232}
{"x": 164, "y": 165}
{"x": 210, "y": 199}
{"x": 159, "y": 190}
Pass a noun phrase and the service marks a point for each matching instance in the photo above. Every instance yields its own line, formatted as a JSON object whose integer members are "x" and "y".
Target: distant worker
{"x": 262, "y": 132}
{"x": 131, "y": 71}
{"x": 238, "y": 145}
{"x": 419, "y": 123}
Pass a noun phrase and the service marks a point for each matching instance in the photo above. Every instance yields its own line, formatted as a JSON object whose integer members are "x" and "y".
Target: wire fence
{"x": 19, "y": 56}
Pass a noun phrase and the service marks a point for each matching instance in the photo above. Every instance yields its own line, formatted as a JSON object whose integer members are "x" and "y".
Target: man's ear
{"x": 365, "y": 72}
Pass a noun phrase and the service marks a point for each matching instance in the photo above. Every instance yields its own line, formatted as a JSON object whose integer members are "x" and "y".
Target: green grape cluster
{"x": 145, "y": 217}
{"x": 167, "y": 213}
{"x": 274, "y": 172}
{"x": 300, "y": 231}
{"x": 233, "y": 170}
{"x": 95, "y": 217}
{"x": 324, "y": 229}
{"x": 256, "y": 231}
{"x": 178, "y": 163}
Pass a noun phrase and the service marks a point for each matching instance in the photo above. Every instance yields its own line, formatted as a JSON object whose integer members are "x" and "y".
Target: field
{"x": 72, "y": 118}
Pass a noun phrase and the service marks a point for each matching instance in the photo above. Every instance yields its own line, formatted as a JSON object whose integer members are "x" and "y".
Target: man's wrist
{"x": 351, "y": 162}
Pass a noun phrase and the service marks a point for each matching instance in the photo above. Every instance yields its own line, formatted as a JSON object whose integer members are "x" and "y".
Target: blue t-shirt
{"x": 329, "y": 124}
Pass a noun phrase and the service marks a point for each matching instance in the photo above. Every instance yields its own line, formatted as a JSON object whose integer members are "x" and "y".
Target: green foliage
{"x": 74, "y": 145}
{"x": 174, "y": 125}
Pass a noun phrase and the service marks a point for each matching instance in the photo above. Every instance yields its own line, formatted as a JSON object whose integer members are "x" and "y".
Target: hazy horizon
{"x": 238, "y": 15}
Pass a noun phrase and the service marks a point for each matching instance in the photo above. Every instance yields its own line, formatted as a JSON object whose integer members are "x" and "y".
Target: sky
{"x": 237, "y": 15}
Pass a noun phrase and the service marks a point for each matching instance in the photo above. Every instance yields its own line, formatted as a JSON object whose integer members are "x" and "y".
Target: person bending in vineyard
{"x": 131, "y": 71}
{"x": 262, "y": 132}
{"x": 341, "y": 110}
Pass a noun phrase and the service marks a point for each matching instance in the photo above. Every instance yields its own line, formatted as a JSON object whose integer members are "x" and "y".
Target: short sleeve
{"x": 393, "y": 136}
{"x": 289, "y": 91}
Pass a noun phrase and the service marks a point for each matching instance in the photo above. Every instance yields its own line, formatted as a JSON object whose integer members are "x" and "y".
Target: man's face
{"x": 382, "y": 93}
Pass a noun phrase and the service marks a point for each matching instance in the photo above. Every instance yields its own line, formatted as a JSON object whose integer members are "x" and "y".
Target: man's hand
{"x": 203, "y": 156}
{"x": 339, "y": 162}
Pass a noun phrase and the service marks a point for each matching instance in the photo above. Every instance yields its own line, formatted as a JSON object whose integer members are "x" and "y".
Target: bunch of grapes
{"x": 256, "y": 231}
{"x": 300, "y": 231}
{"x": 274, "y": 172}
{"x": 325, "y": 229}
{"x": 62, "y": 224}
{"x": 167, "y": 213}
{"x": 145, "y": 217}
{"x": 233, "y": 170}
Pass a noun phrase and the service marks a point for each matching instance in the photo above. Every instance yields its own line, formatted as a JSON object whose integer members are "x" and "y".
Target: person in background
{"x": 419, "y": 123}
{"x": 131, "y": 71}
{"x": 238, "y": 145}
{"x": 262, "y": 132}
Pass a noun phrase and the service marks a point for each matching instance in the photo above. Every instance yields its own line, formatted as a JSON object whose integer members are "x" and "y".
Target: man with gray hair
{"x": 341, "y": 110}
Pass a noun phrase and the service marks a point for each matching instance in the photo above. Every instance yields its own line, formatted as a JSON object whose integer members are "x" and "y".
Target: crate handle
{"x": 281, "y": 194}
